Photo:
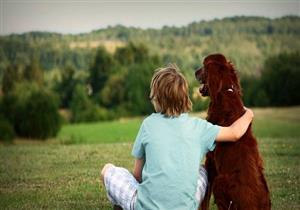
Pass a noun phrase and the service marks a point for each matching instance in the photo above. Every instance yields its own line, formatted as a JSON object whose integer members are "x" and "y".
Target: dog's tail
{"x": 267, "y": 204}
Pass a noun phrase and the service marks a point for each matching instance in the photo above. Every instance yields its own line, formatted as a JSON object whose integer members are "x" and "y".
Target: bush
{"x": 7, "y": 133}
{"x": 91, "y": 114}
{"x": 278, "y": 84}
{"x": 280, "y": 79}
{"x": 84, "y": 110}
{"x": 33, "y": 111}
{"x": 137, "y": 88}
{"x": 200, "y": 103}
{"x": 261, "y": 99}
{"x": 253, "y": 92}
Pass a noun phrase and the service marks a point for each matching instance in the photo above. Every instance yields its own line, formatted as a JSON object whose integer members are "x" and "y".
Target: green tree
{"x": 83, "y": 109}
{"x": 33, "y": 71}
{"x": 3, "y": 62}
{"x": 113, "y": 94}
{"x": 250, "y": 85}
{"x": 280, "y": 79}
{"x": 7, "y": 133}
{"x": 10, "y": 77}
{"x": 138, "y": 88}
{"x": 66, "y": 85}
{"x": 100, "y": 70}
{"x": 132, "y": 53}
{"x": 261, "y": 99}
{"x": 34, "y": 112}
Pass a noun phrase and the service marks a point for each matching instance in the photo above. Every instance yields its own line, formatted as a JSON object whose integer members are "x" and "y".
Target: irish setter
{"x": 235, "y": 170}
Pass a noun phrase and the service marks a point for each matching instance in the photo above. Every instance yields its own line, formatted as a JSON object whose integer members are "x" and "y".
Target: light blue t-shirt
{"x": 173, "y": 148}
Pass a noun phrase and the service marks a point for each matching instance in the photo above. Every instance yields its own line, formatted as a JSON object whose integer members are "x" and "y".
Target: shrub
{"x": 280, "y": 79}
{"x": 137, "y": 88}
{"x": 33, "y": 111}
{"x": 253, "y": 92}
{"x": 84, "y": 110}
{"x": 91, "y": 114}
{"x": 200, "y": 103}
{"x": 7, "y": 133}
{"x": 278, "y": 84}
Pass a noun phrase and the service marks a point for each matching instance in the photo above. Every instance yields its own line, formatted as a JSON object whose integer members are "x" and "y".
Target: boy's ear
{"x": 214, "y": 80}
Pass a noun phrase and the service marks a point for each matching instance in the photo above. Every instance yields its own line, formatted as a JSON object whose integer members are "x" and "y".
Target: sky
{"x": 80, "y": 16}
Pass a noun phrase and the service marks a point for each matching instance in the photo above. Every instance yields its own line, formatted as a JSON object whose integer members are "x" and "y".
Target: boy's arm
{"x": 138, "y": 167}
{"x": 237, "y": 129}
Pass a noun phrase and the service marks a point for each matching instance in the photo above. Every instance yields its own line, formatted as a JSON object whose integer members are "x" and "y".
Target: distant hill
{"x": 247, "y": 41}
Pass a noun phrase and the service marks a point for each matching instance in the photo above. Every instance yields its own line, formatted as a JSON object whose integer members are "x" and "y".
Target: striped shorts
{"x": 121, "y": 186}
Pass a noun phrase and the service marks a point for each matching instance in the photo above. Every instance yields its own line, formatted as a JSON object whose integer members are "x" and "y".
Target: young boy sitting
{"x": 168, "y": 150}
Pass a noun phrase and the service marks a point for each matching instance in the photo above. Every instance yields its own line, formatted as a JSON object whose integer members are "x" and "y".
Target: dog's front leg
{"x": 117, "y": 208}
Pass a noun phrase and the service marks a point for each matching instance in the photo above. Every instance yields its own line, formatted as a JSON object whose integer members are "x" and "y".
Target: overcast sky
{"x": 76, "y": 16}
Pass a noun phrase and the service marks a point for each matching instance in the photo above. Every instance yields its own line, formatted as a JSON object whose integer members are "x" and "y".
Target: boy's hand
{"x": 251, "y": 114}
{"x": 138, "y": 168}
{"x": 237, "y": 129}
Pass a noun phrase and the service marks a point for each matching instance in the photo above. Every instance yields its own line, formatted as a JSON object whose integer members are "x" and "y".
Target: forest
{"x": 105, "y": 74}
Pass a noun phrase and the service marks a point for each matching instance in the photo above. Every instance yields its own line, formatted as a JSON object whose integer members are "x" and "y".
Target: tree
{"x": 133, "y": 84}
{"x": 3, "y": 62}
{"x": 138, "y": 88}
{"x": 80, "y": 103}
{"x": 66, "y": 86}
{"x": 250, "y": 86}
{"x": 83, "y": 109}
{"x": 100, "y": 70}
{"x": 113, "y": 94}
{"x": 10, "y": 78}
{"x": 33, "y": 71}
{"x": 280, "y": 79}
{"x": 132, "y": 53}
{"x": 34, "y": 112}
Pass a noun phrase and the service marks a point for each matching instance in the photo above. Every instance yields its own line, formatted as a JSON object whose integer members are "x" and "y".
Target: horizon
{"x": 142, "y": 28}
{"x": 73, "y": 17}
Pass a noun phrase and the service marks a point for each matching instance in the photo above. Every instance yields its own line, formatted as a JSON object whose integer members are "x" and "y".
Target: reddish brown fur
{"x": 235, "y": 170}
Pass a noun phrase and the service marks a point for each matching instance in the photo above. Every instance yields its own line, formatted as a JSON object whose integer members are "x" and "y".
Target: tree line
{"x": 117, "y": 85}
{"x": 46, "y": 83}
{"x": 247, "y": 41}
{"x": 278, "y": 83}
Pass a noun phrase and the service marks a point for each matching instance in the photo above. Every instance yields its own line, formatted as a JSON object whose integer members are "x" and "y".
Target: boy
{"x": 168, "y": 150}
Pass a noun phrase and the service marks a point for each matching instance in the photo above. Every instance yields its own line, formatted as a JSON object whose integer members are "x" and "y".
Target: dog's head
{"x": 216, "y": 76}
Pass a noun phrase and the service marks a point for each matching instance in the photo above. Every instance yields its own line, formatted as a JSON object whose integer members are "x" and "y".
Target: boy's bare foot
{"x": 104, "y": 169}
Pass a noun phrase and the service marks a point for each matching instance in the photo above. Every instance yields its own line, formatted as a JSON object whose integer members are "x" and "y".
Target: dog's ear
{"x": 234, "y": 78}
{"x": 214, "y": 80}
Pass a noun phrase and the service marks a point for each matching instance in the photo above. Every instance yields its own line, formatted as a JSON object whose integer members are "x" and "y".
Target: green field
{"x": 63, "y": 173}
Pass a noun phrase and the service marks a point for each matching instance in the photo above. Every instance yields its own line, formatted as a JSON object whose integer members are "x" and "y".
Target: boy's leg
{"x": 202, "y": 183}
{"x": 103, "y": 171}
{"x": 121, "y": 186}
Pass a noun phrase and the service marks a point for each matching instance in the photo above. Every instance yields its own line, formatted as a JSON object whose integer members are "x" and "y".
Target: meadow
{"x": 63, "y": 173}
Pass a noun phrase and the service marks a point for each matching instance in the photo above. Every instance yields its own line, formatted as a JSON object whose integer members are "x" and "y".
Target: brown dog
{"x": 235, "y": 170}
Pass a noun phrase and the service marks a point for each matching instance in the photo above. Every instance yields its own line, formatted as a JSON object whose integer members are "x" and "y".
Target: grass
{"x": 63, "y": 174}
{"x": 56, "y": 176}
{"x": 123, "y": 130}
{"x": 270, "y": 122}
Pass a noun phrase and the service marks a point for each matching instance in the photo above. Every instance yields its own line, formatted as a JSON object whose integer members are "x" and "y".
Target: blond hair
{"x": 169, "y": 91}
